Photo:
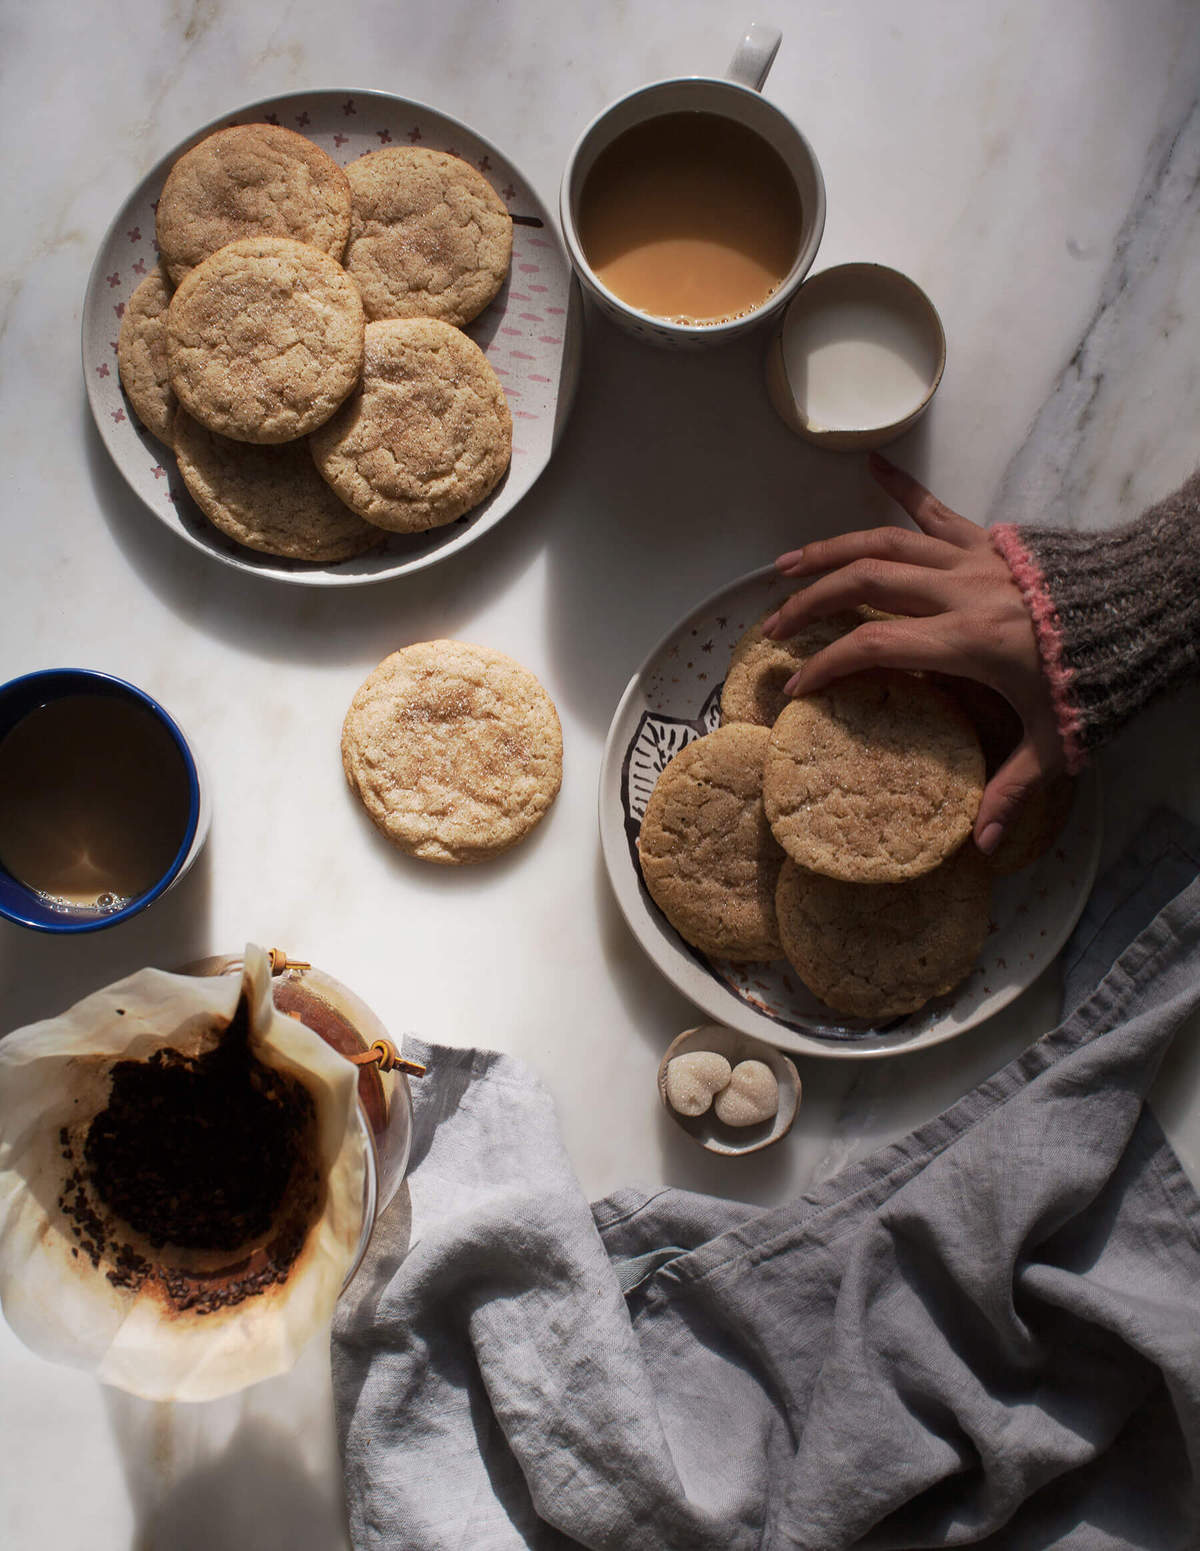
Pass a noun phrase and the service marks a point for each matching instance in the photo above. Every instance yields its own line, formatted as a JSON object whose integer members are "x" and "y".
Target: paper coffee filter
{"x": 56, "y": 1074}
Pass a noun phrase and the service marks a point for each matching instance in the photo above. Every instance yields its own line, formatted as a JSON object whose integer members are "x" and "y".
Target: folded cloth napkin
{"x": 986, "y": 1333}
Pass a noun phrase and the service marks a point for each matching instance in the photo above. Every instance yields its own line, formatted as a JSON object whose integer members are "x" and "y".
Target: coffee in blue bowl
{"x": 101, "y": 808}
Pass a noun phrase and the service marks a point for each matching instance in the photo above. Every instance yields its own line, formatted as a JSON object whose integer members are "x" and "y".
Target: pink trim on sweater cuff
{"x": 1047, "y": 628}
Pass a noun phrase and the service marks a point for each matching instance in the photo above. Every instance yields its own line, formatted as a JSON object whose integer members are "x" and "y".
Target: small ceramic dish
{"x": 734, "y": 1046}
{"x": 857, "y": 358}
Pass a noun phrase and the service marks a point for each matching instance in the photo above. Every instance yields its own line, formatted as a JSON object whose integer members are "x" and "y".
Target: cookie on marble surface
{"x": 454, "y": 750}
{"x": 425, "y": 436}
{"x": 880, "y": 950}
{"x": 268, "y": 498}
{"x": 142, "y": 355}
{"x": 874, "y": 779}
{"x": 707, "y": 853}
{"x": 265, "y": 339}
{"x": 250, "y": 180}
{"x": 759, "y": 668}
{"x": 429, "y": 236}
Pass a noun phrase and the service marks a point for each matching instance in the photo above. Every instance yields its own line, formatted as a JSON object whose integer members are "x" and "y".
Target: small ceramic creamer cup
{"x": 103, "y": 804}
{"x": 856, "y": 358}
{"x": 737, "y": 98}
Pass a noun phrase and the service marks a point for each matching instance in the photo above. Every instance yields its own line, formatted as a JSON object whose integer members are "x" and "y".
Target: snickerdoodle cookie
{"x": 874, "y": 779}
{"x": 429, "y": 236}
{"x": 250, "y": 180}
{"x": 707, "y": 853}
{"x": 455, "y": 750}
{"x": 265, "y": 339}
{"x": 269, "y": 498}
{"x": 426, "y": 435}
{"x": 142, "y": 355}
{"x": 884, "y": 949}
{"x": 759, "y": 667}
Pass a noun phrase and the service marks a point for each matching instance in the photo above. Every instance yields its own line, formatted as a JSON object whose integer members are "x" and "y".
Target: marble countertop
{"x": 1036, "y": 169}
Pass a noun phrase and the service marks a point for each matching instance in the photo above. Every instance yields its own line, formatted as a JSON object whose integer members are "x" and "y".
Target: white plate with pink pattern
{"x": 674, "y": 697}
{"x": 530, "y": 333}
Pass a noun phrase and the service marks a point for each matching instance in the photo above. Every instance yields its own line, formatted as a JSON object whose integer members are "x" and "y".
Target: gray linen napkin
{"x": 984, "y": 1334}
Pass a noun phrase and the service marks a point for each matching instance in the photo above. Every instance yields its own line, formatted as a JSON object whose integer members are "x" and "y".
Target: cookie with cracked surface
{"x": 265, "y": 340}
{"x": 142, "y": 355}
{"x": 759, "y": 668}
{"x": 268, "y": 498}
{"x": 429, "y": 236}
{"x": 250, "y": 180}
{"x": 454, "y": 750}
{"x": 874, "y": 779}
{"x": 426, "y": 435}
{"x": 884, "y": 949}
{"x": 707, "y": 853}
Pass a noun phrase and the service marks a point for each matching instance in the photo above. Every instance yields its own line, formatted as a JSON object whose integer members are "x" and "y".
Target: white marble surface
{"x": 1032, "y": 166}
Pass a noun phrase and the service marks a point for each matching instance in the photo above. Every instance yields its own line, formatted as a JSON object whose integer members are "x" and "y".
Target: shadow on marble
{"x": 656, "y": 1009}
{"x": 286, "y": 622}
{"x": 41, "y": 975}
{"x": 257, "y": 1469}
{"x": 681, "y": 478}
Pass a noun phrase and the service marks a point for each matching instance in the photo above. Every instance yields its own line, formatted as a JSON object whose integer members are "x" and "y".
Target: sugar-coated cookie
{"x": 874, "y": 779}
{"x": 884, "y": 949}
{"x": 455, "y": 750}
{"x": 269, "y": 498}
{"x": 265, "y": 339}
{"x": 707, "y": 853}
{"x": 429, "y": 236}
{"x": 759, "y": 668}
{"x": 250, "y": 180}
{"x": 426, "y": 435}
{"x": 142, "y": 355}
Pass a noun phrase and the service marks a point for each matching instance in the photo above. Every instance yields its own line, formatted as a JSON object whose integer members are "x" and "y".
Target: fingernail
{"x": 784, "y": 562}
{"x": 768, "y": 625}
{"x": 990, "y": 838}
{"x": 878, "y": 461}
{"x": 793, "y": 684}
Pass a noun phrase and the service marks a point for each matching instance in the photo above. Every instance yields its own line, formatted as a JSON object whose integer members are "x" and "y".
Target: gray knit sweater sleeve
{"x": 1117, "y": 614}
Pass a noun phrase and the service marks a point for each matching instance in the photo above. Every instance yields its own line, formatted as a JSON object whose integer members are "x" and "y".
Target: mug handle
{"x": 754, "y": 56}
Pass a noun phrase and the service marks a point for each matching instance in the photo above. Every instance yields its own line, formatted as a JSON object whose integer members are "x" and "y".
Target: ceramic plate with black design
{"x": 675, "y": 697}
{"x": 530, "y": 333}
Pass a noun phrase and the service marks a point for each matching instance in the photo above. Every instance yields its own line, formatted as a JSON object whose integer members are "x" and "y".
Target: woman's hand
{"x": 964, "y": 615}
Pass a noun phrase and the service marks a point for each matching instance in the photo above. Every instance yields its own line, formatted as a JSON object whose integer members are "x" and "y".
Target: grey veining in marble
{"x": 1122, "y": 426}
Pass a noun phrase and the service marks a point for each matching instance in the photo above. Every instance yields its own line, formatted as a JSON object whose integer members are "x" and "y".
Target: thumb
{"x": 1006, "y": 793}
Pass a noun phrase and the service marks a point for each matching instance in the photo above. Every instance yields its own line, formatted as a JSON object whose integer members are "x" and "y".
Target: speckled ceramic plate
{"x": 530, "y": 333}
{"x": 675, "y": 697}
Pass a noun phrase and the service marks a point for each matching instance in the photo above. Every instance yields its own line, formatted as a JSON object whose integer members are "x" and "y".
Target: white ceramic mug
{"x": 737, "y": 97}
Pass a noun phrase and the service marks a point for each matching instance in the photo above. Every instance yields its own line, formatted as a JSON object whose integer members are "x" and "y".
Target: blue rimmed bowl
{"x": 26, "y": 906}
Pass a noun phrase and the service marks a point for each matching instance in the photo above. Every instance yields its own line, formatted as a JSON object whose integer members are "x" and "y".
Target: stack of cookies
{"x": 833, "y": 830}
{"x": 301, "y": 345}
